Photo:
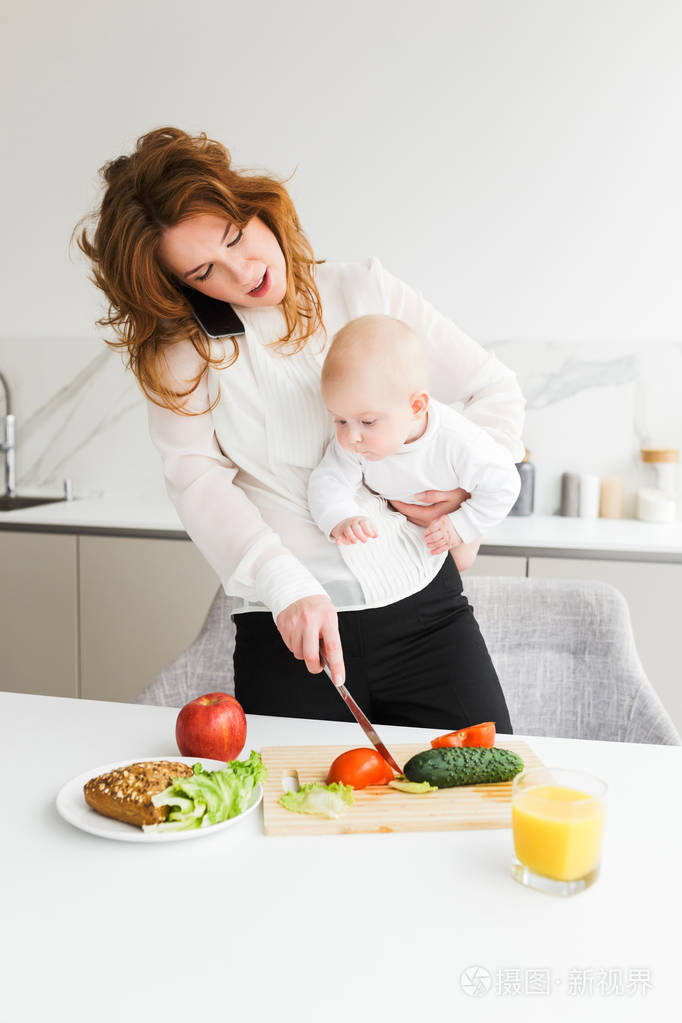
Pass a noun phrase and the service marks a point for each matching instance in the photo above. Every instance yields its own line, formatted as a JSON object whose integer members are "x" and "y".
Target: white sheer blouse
{"x": 238, "y": 476}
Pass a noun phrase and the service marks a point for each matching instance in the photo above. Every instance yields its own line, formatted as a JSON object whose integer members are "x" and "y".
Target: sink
{"x": 16, "y": 502}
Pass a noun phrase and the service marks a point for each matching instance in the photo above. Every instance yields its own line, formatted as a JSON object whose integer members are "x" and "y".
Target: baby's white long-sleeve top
{"x": 238, "y": 475}
{"x": 452, "y": 452}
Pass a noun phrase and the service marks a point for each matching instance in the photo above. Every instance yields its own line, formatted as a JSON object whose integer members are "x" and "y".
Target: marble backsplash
{"x": 590, "y": 408}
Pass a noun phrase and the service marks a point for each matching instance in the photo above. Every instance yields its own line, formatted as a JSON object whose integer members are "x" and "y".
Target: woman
{"x": 240, "y": 424}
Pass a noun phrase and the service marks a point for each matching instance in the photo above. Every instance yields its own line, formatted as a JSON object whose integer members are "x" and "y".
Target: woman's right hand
{"x": 439, "y": 502}
{"x": 311, "y": 625}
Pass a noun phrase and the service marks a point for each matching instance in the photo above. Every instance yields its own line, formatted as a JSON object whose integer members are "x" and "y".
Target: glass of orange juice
{"x": 557, "y": 824}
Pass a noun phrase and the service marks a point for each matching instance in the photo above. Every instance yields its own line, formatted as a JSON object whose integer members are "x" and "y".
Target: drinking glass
{"x": 557, "y": 824}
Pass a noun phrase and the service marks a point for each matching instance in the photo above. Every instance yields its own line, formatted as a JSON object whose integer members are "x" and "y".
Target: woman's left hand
{"x": 440, "y": 502}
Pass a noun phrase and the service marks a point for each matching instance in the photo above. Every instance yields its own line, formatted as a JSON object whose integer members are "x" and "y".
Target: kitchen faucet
{"x": 8, "y": 444}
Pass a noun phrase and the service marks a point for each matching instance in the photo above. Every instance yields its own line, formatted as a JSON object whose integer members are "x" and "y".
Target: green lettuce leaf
{"x": 326, "y": 800}
{"x": 418, "y": 788}
{"x": 209, "y": 797}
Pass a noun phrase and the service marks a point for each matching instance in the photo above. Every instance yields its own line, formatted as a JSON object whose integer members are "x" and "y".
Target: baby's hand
{"x": 441, "y": 535}
{"x": 351, "y": 530}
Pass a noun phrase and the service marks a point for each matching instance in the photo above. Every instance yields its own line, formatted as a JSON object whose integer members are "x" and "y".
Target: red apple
{"x": 212, "y": 726}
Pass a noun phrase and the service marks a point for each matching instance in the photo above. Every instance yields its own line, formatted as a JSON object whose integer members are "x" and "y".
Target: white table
{"x": 356, "y": 927}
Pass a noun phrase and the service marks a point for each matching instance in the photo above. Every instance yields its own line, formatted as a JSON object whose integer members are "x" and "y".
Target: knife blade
{"x": 361, "y": 719}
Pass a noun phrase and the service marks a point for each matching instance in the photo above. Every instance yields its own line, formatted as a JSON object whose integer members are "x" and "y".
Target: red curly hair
{"x": 170, "y": 177}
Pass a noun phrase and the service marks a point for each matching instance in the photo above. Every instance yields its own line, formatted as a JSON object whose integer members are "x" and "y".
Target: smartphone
{"x": 217, "y": 319}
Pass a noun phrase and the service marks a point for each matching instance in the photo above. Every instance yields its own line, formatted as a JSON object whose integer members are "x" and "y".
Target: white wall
{"x": 518, "y": 160}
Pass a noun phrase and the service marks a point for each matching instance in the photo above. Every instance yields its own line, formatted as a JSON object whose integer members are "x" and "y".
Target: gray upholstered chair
{"x": 563, "y": 649}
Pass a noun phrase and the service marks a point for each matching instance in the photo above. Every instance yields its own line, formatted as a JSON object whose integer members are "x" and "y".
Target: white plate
{"x": 72, "y": 807}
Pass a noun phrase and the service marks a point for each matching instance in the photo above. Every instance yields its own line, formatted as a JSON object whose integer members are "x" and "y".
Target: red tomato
{"x": 474, "y": 735}
{"x": 359, "y": 768}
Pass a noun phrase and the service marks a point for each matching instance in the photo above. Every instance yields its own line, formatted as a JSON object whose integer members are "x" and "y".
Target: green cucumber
{"x": 473, "y": 765}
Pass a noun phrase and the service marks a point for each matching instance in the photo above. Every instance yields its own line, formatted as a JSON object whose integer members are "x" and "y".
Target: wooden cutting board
{"x": 380, "y": 807}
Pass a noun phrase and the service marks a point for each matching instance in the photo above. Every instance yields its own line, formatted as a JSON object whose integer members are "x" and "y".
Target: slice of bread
{"x": 126, "y": 793}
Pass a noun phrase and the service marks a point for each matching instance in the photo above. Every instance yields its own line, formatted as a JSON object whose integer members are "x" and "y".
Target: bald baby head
{"x": 379, "y": 349}
{"x": 374, "y": 384}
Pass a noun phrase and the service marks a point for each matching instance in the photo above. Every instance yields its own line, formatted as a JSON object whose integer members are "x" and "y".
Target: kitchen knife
{"x": 363, "y": 721}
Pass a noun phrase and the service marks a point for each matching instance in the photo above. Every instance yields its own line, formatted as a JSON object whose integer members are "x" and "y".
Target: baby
{"x": 397, "y": 440}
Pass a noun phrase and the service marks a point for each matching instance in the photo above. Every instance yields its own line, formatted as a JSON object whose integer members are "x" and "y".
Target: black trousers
{"x": 420, "y": 661}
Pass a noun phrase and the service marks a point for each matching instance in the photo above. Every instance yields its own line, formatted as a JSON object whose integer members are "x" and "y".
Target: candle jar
{"x": 611, "y": 497}
{"x": 588, "y": 497}
{"x": 656, "y": 502}
{"x": 570, "y": 494}
{"x": 664, "y": 463}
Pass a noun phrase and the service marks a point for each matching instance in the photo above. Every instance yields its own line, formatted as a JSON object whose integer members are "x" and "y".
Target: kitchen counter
{"x": 400, "y": 926}
{"x": 536, "y": 535}
{"x": 109, "y": 515}
{"x": 555, "y": 536}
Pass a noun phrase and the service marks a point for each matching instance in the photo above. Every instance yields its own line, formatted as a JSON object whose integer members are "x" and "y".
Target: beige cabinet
{"x": 497, "y": 564}
{"x": 38, "y": 613}
{"x": 654, "y": 595}
{"x": 99, "y": 616}
{"x": 142, "y": 602}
